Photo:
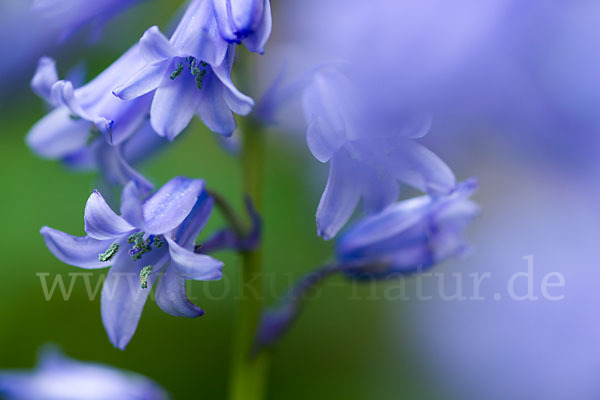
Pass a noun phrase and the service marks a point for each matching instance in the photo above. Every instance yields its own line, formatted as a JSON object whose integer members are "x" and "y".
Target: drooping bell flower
{"x": 245, "y": 21}
{"x": 58, "y": 377}
{"x": 89, "y": 128}
{"x": 68, "y": 16}
{"x": 367, "y": 159}
{"x": 189, "y": 74}
{"x": 152, "y": 235}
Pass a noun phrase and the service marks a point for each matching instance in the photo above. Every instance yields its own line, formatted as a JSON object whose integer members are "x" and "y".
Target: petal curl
{"x": 172, "y": 298}
{"x": 101, "y": 222}
{"x": 190, "y": 265}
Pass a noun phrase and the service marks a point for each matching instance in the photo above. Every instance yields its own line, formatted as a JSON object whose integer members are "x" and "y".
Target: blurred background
{"x": 513, "y": 88}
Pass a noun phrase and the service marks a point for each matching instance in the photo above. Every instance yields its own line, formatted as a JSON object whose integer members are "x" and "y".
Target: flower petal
{"x": 174, "y": 105}
{"x": 45, "y": 76}
{"x": 190, "y": 265}
{"x": 117, "y": 171}
{"x": 155, "y": 47}
{"x": 222, "y": 16}
{"x": 417, "y": 166}
{"x": 131, "y": 204}
{"x": 57, "y": 135}
{"x": 237, "y": 101}
{"x": 213, "y": 109}
{"x": 172, "y": 298}
{"x": 193, "y": 224}
{"x": 168, "y": 208}
{"x": 123, "y": 298}
{"x": 145, "y": 81}
{"x": 339, "y": 199}
{"x": 258, "y": 40}
{"x": 101, "y": 222}
{"x": 73, "y": 250}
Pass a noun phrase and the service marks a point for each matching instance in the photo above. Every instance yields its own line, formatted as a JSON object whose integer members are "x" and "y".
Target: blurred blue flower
{"x": 60, "y": 378}
{"x": 247, "y": 21}
{"x": 89, "y": 128}
{"x": 159, "y": 232}
{"x": 408, "y": 236}
{"x": 402, "y": 240}
{"x": 366, "y": 158}
{"x": 69, "y": 16}
{"x": 191, "y": 74}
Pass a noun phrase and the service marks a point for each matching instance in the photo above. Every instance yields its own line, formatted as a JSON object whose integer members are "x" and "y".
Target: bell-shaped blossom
{"x": 151, "y": 235}
{"x": 247, "y": 21}
{"x": 188, "y": 74}
{"x": 58, "y": 377}
{"x": 408, "y": 236}
{"x": 89, "y": 128}
{"x": 68, "y": 16}
{"x": 367, "y": 158}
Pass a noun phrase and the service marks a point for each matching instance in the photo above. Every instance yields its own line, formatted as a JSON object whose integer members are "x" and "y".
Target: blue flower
{"x": 71, "y": 15}
{"x": 404, "y": 239}
{"x": 190, "y": 74}
{"x": 408, "y": 236}
{"x": 367, "y": 158}
{"x": 247, "y": 21}
{"x": 89, "y": 128}
{"x": 59, "y": 378}
{"x": 152, "y": 235}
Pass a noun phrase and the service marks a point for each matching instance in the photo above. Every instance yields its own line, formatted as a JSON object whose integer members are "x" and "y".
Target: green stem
{"x": 248, "y": 373}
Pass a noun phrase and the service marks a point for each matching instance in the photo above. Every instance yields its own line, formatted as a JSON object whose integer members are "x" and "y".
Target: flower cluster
{"x": 148, "y": 97}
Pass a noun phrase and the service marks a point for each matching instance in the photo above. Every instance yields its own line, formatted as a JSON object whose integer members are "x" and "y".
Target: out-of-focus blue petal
{"x": 175, "y": 103}
{"x": 101, "y": 222}
{"x": 339, "y": 199}
{"x": 45, "y": 76}
{"x": 57, "y": 134}
{"x": 190, "y": 265}
{"x": 116, "y": 170}
{"x": 418, "y": 166}
{"x": 171, "y": 204}
{"x": 57, "y": 377}
{"x": 172, "y": 298}
{"x": 78, "y": 251}
{"x": 408, "y": 236}
{"x": 71, "y": 15}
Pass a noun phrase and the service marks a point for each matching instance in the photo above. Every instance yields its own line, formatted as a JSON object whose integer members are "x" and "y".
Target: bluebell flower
{"x": 247, "y": 21}
{"x": 89, "y": 128}
{"x": 151, "y": 235}
{"x": 58, "y": 377}
{"x": 68, "y": 16}
{"x": 367, "y": 159}
{"x": 404, "y": 239}
{"x": 409, "y": 236}
{"x": 190, "y": 74}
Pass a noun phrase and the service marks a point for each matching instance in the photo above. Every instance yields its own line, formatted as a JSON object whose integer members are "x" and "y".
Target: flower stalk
{"x": 248, "y": 371}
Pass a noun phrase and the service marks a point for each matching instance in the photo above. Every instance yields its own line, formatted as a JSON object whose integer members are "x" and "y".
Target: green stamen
{"x": 144, "y": 275}
{"x": 159, "y": 241}
{"x": 109, "y": 253}
{"x": 177, "y": 71}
